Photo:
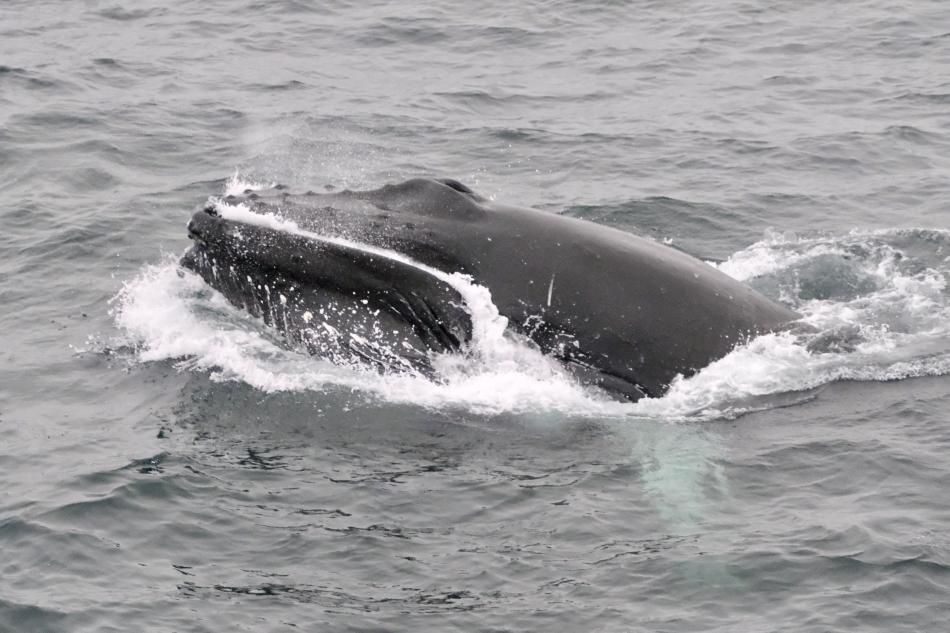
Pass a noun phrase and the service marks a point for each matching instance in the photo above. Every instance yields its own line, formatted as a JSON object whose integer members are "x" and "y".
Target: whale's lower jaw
{"x": 379, "y": 330}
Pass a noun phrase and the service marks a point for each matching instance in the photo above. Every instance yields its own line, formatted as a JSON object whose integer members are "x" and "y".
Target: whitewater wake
{"x": 875, "y": 307}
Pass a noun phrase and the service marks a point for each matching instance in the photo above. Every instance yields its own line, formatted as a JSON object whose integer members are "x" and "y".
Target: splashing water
{"x": 173, "y": 314}
{"x": 236, "y": 185}
{"x": 876, "y": 302}
{"x": 875, "y": 306}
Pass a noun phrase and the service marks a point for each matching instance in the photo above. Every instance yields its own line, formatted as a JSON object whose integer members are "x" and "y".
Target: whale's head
{"x": 325, "y": 291}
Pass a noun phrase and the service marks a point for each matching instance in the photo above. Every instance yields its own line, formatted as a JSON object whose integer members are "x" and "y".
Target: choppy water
{"x": 165, "y": 465}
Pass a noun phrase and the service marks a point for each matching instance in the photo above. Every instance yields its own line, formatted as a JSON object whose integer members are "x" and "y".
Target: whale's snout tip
{"x": 202, "y": 222}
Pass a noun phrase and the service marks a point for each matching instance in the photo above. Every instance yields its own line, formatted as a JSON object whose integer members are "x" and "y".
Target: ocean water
{"x": 167, "y": 465}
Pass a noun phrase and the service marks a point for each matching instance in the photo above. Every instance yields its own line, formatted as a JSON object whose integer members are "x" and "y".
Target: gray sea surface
{"x": 167, "y": 465}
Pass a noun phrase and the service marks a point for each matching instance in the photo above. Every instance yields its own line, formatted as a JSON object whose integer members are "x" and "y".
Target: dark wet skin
{"x": 623, "y": 312}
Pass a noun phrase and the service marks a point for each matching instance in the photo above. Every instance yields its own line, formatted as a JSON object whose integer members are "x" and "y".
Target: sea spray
{"x": 874, "y": 313}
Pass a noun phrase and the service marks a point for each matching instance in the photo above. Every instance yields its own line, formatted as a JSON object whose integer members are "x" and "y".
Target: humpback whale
{"x": 365, "y": 278}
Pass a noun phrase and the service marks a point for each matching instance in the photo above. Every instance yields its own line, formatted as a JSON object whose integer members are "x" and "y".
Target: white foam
{"x": 899, "y": 329}
{"x": 238, "y": 184}
{"x": 498, "y": 372}
{"x": 902, "y": 327}
{"x": 172, "y": 314}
